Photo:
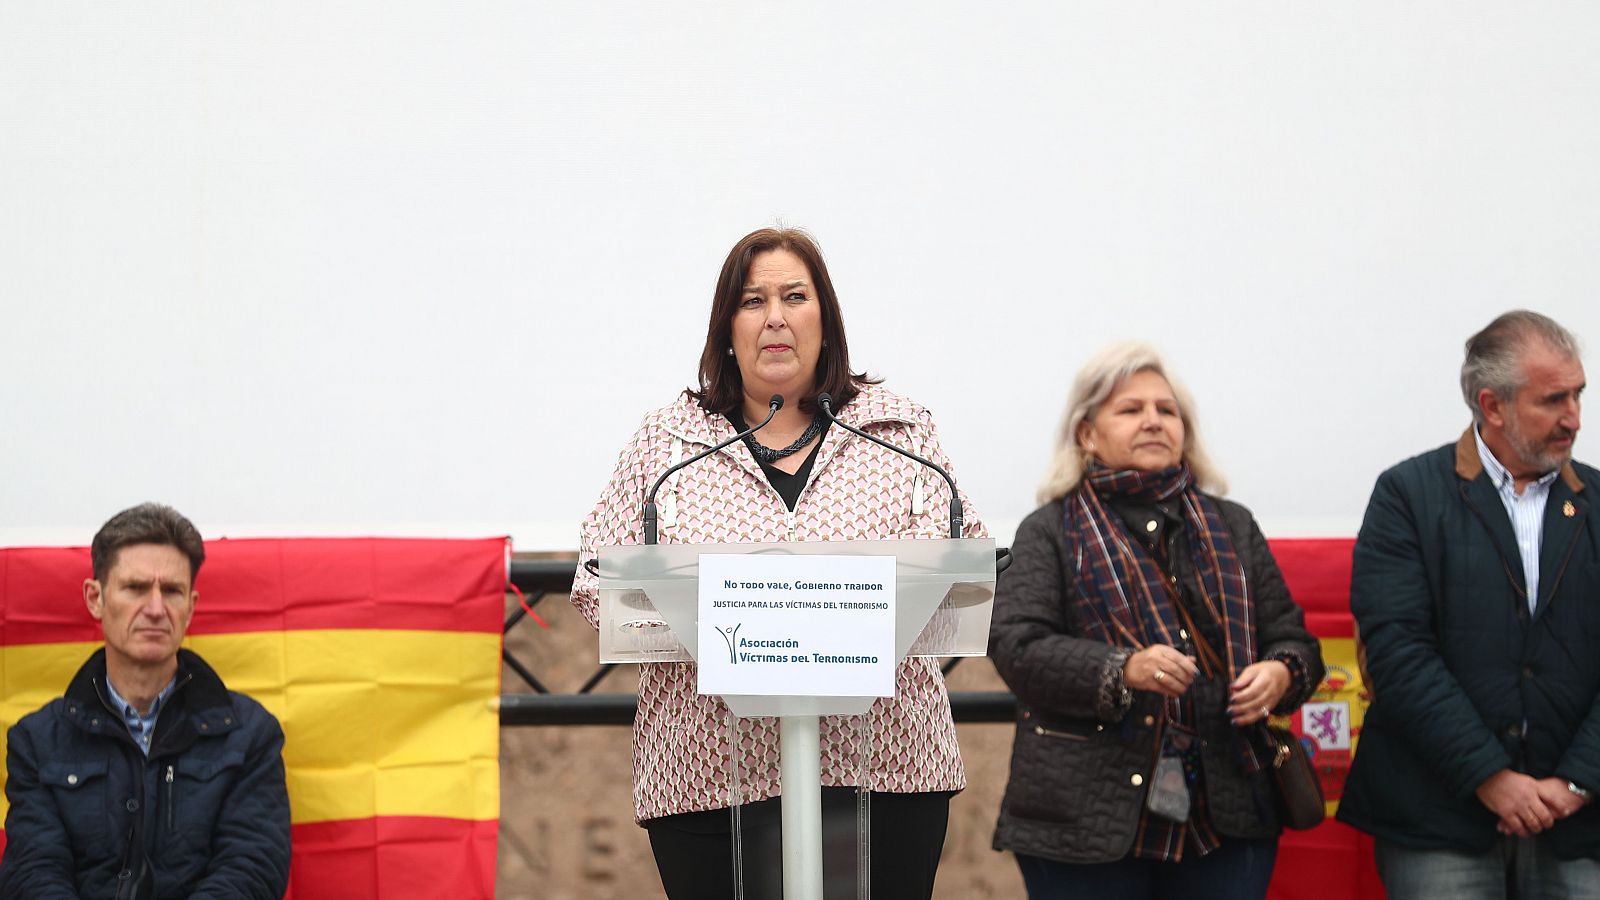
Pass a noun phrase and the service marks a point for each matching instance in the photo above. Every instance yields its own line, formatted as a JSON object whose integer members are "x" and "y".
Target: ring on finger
{"x": 1265, "y": 712}
{"x": 1160, "y": 674}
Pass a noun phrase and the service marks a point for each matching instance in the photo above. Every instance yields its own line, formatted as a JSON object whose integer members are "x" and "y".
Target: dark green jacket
{"x": 1457, "y": 665}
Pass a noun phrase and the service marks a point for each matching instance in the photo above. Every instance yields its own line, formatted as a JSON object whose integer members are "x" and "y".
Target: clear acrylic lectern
{"x": 649, "y": 613}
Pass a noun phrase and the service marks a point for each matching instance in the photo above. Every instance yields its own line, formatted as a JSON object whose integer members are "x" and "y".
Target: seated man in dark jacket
{"x": 149, "y": 779}
{"x": 1476, "y": 589}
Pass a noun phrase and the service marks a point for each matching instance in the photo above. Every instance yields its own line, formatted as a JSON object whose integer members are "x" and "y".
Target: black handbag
{"x": 1298, "y": 790}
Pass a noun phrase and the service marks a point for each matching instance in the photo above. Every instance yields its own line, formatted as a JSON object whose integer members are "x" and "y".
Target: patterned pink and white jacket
{"x": 857, "y": 491}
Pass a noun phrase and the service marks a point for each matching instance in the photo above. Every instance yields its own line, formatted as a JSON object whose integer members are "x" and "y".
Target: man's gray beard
{"x": 1534, "y": 453}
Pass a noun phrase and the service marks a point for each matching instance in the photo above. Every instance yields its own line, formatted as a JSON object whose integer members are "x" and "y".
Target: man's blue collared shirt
{"x": 1526, "y": 512}
{"x": 141, "y": 727}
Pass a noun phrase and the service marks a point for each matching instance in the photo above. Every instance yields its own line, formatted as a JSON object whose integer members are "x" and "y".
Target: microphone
{"x": 825, "y": 403}
{"x": 773, "y": 405}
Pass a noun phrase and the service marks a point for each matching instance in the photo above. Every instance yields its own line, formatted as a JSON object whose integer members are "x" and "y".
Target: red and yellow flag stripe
{"x": 381, "y": 659}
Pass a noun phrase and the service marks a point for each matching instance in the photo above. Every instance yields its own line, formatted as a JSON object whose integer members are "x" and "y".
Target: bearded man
{"x": 1476, "y": 592}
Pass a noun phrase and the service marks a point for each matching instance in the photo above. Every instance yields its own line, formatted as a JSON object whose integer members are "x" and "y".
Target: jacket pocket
{"x": 82, "y": 792}
{"x": 1062, "y": 729}
{"x": 1076, "y": 773}
{"x": 193, "y": 788}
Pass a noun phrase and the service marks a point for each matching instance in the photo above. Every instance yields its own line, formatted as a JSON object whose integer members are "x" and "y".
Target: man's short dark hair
{"x": 147, "y": 523}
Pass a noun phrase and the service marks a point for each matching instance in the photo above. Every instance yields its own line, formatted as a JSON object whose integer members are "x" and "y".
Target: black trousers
{"x": 694, "y": 851}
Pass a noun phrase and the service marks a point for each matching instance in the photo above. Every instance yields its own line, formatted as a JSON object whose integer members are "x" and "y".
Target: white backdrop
{"x": 419, "y": 268}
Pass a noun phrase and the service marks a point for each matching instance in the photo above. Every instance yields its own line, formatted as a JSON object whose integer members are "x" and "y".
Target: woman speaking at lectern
{"x": 776, "y": 329}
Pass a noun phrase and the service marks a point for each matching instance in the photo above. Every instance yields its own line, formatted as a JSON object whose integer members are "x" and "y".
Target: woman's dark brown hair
{"x": 721, "y": 385}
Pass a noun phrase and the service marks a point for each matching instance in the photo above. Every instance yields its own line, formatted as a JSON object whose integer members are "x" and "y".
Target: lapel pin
{"x": 1568, "y": 510}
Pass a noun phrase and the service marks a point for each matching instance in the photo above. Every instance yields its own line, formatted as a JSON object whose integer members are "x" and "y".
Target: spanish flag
{"x": 381, "y": 659}
{"x": 1332, "y": 861}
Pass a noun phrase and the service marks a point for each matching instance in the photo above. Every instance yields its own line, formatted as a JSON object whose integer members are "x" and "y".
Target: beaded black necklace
{"x": 769, "y": 456}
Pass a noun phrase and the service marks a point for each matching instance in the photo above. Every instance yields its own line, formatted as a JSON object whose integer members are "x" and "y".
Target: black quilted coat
{"x": 1080, "y": 765}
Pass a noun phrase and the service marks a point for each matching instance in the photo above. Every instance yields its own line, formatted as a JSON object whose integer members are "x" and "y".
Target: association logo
{"x": 771, "y": 650}
{"x": 730, "y": 636}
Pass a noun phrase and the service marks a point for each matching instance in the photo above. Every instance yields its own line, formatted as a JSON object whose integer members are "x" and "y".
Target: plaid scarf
{"x": 1127, "y": 600}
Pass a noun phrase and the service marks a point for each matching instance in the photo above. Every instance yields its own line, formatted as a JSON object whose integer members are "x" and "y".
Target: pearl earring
{"x": 730, "y": 351}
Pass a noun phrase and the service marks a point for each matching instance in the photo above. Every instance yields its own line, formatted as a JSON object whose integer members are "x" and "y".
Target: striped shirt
{"x": 1525, "y": 510}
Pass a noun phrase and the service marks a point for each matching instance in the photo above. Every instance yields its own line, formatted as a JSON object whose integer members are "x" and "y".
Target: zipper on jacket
{"x": 1042, "y": 731}
{"x": 816, "y": 472}
{"x": 171, "y": 816}
{"x": 179, "y": 685}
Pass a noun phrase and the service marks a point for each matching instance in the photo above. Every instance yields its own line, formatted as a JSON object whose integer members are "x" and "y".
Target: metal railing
{"x": 537, "y": 579}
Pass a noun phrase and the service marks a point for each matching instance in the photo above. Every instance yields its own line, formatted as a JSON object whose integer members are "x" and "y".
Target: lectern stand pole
{"x": 800, "y": 743}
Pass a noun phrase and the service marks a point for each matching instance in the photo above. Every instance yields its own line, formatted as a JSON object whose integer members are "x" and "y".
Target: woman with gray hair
{"x": 1146, "y": 631}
